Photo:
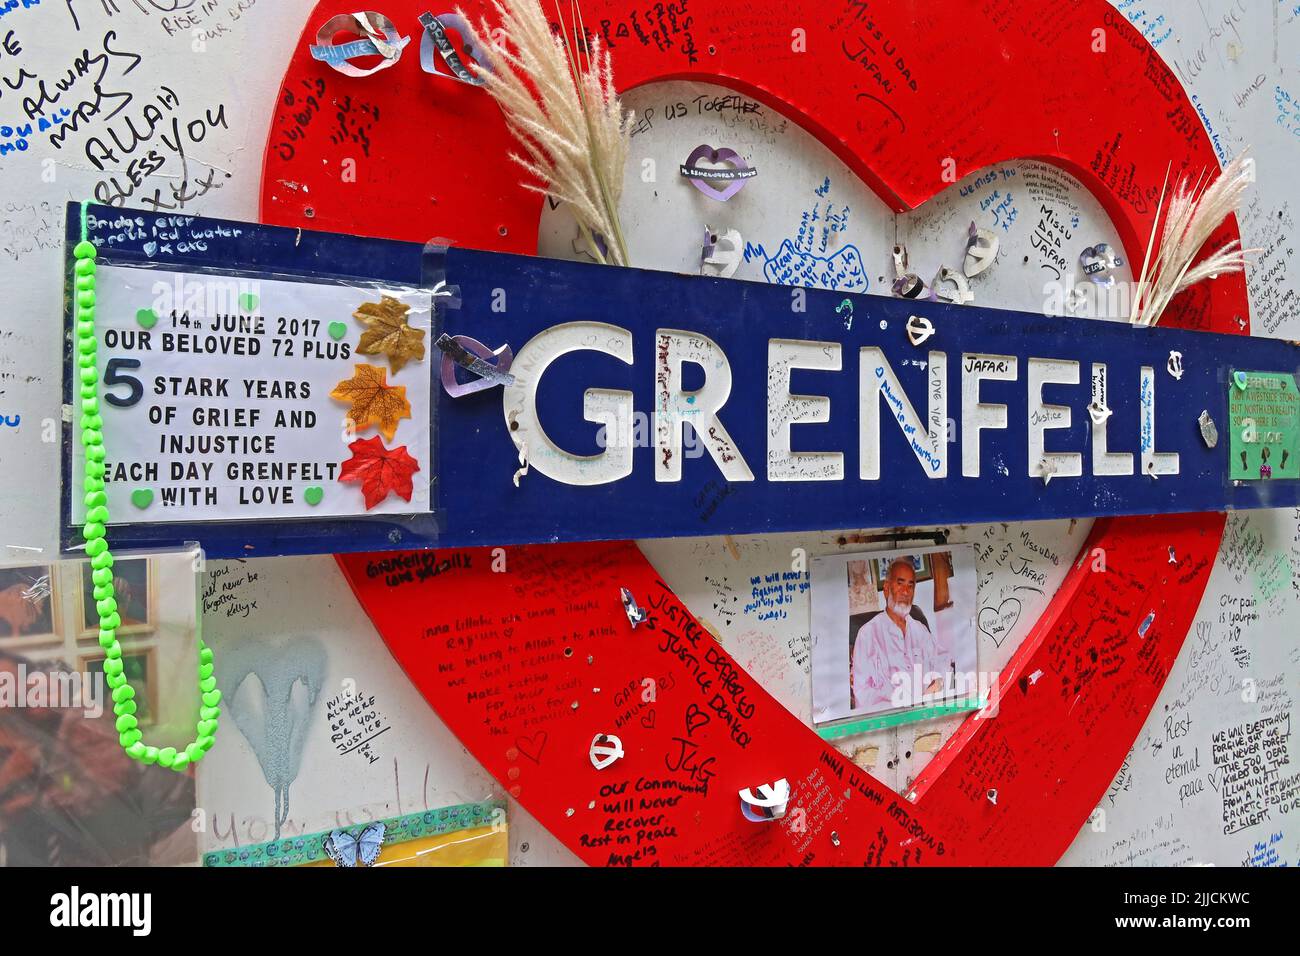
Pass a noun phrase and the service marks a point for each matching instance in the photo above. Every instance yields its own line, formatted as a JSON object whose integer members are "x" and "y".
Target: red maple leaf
{"x": 380, "y": 470}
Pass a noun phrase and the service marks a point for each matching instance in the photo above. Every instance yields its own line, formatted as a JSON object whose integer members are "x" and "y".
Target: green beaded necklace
{"x": 101, "y": 559}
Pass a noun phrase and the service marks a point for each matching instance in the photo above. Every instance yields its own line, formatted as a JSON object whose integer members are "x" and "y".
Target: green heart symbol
{"x": 313, "y": 495}
{"x": 248, "y": 302}
{"x": 142, "y": 498}
{"x": 1239, "y": 379}
{"x": 337, "y": 330}
{"x": 146, "y": 318}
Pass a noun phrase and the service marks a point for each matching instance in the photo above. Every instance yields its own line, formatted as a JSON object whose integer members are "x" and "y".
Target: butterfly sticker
{"x": 348, "y": 850}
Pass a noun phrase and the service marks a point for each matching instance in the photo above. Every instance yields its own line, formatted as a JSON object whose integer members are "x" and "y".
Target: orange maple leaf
{"x": 380, "y": 470}
{"x": 388, "y": 332}
{"x": 374, "y": 401}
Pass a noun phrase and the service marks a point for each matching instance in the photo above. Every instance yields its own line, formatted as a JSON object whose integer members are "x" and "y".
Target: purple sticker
{"x": 735, "y": 177}
{"x": 465, "y": 352}
{"x": 1146, "y": 624}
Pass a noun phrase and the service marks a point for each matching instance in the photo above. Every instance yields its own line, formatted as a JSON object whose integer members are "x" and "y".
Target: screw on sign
{"x": 889, "y": 142}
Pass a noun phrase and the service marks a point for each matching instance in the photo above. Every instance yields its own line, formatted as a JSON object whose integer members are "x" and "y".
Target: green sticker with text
{"x": 1263, "y": 426}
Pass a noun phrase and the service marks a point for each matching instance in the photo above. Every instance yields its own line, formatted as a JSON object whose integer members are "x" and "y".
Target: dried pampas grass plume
{"x": 558, "y": 99}
{"x": 1195, "y": 211}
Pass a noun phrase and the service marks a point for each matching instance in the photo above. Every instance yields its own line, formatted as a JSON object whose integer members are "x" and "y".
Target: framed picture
{"x": 864, "y": 595}
{"x": 920, "y": 564}
{"x": 893, "y": 631}
{"x": 133, "y": 590}
{"x": 139, "y": 666}
{"x": 29, "y": 608}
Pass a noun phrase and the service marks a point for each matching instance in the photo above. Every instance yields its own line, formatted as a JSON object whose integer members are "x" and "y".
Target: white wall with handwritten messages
{"x": 1212, "y": 777}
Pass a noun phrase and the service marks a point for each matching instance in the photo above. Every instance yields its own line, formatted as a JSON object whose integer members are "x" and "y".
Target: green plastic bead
{"x": 85, "y": 330}
{"x": 93, "y": 421}
{"x": 136, "y": 751}
{"x": 85, "y": 361}
{"x": 205, "y": 743}
{"x": 209, "y": 713}
{"x": 89, "y": 391}
{"x": 112, "y": 622}
{"x": 166, "y": 756}
{"x": 130, "y": 736}
{"x": 102, "y": 591}
{"x": 194, "y": 752}
{"x": 95, "y": 452}
{"x": 93, "y": 498}
{"x": 85, "y": 283}
{"x": 125, "y": 692}
{"x": 113, "y": 668}
{"x": 85, "y": 267}
{"x": 125, "y": 723}
{"x": 92, "y": 531}
{"x": 106, "y": 607}
{"x": 88, "y": 376}
{"x": 180, "y": 762}
{"x": 114, "y": 681}
{"x": 125, "y": 708}
{"x": 85, "y": 249}
{"x": 85, "y": 315}
{"x": 205, "y": 655}
{"x": 95, "y": 469}
{"x": 206, "y": 728}
{"x": 205, "y": 671}
{"x": 107, "y": 642}
{"x": 93, "y": 484}
{"x": 98, "y": 546}
{"x": 87, "y": 344}
{"x": 92, "y": 438}
{"x": 86, "y": 299}
{"x": 208, "y": 684}
{"x": 113, "y": 652}
{"x": 150, "y": 755}
{"x": 103, "y": 575}
{"x": 102, "y": 560}
{"x": 212, "y": 698}
{"x": 97, "y": 514}
{"x": 89, "y": 406}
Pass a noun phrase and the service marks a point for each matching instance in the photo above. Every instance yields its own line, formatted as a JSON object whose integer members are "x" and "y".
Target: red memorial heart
{"x": 1014, "y": 788}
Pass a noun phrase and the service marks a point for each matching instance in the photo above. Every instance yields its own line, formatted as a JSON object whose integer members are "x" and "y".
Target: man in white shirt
{"x": 890, "y": 646}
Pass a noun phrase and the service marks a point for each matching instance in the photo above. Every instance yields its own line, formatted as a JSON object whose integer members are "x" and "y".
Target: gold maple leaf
{"x": 388, "y": 332}
{"x": 374, "y": 401}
